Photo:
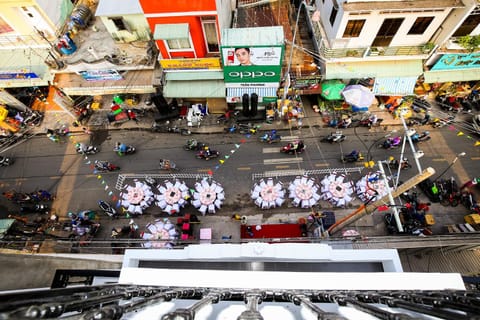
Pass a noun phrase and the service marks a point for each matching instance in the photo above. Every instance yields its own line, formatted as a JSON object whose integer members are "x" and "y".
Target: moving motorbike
{"x": 270, "y": 137}
{"x": 194, "y": 145}
{"x": 207, "y": 154}
{"x": 391, "y": 143}
{"x": 353, "y": 156}
{"x": 5, "y": 161}
{"x": 108, "y": 209}
{"x": 167, "y": 165}
{"x": 83, "y": 149}
{"x": 123, "y": 149}
{"x": 296, "y": 147}
{"x": 105, "y": 166}
{"x": 334, "y": 137}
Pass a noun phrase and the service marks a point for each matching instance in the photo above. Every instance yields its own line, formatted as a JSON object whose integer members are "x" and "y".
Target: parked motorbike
{"x": 104, "y": 166}
{"x": 419, "y": 137}
{"x": 108, "y": 209}
{"x": 36, "y": 208}
{"x": 194, "y": 145}
{"x": 391, "y": 143}
{"x": 394, "y": 164}
{"x": 440, "y": 122}
{"x": 5, "y": 161}
{"x": 296, "y": 147}
{"x": 207, "y": 154}
{"x": 123, "y": 149}
{"x": 372, "y": 121}
{"x": 182, "y": 131}
{"x": 271, "y": 137}
{"x": 83, "y": 149}
{"x": 334, "y": 137}
{"x": 353, "y": 156}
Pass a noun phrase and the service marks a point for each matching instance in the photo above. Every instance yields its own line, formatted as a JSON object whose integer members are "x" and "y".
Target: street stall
{"x": 135, "y": 199}
{"x": 160, "y": 233}
{"x": 358, "y": 96}
{"x": 173, "y": 196}
{"x": 304, "y": 192}
{"x": 337, "y": 189}
{"x": 208, "y": 196}
{"x": 268, "y": 194}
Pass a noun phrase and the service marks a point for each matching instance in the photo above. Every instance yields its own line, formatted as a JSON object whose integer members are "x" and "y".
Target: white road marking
{"x": 282, "y": 160}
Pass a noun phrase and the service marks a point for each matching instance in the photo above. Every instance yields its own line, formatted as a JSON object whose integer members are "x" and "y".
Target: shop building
{"x": 454, "y": 61}
{"x": 384, "y": 40}
{"x": 106, "y": 48}
{"x": 27, "y": 29}
{"x": 252, "y": 60}
{"x": 187, "y": 35}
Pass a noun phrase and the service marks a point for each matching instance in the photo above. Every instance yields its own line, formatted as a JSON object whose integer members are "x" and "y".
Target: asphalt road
{"x": 56, "y": 167}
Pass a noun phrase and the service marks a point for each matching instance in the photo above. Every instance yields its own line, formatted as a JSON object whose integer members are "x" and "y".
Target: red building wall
{"x": 177, "y": 7}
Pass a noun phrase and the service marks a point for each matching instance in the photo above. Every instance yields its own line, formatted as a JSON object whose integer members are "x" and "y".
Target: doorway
{"x": 386, "y": 32}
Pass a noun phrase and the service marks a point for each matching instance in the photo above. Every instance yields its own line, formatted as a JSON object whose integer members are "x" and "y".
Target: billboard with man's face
{"x": 252, "y": 64}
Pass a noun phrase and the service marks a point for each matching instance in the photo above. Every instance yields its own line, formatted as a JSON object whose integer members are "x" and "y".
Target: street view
{"x": 196, "y": 153}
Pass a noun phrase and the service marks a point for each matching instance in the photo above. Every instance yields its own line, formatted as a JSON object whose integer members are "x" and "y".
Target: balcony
{"x": 328, "y": 53}
{"x": 11, "y": 42}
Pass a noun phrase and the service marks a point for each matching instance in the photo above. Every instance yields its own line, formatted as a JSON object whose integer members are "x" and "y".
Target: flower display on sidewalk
{"x": 336, "y": 190}
{"x": 172, "y": 197}
{"x": 304, "y": 192}
{"x": 268, "y": 194}
{"x": 208, "y": 196}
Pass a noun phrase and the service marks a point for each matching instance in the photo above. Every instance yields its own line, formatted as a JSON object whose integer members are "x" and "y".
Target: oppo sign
{"x": 251, "y": 74}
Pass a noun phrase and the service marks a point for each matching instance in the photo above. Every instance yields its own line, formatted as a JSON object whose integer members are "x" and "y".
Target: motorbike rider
{"x": 392, "y": 142}
{"x": 207, "y": 152}
{"x": 353, "y": 155}
{"x": 373, "y": 120}
{"x": 121, "y": 148}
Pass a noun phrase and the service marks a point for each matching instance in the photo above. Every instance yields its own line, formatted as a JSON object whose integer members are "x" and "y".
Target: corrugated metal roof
{"x": 465, "y": 262}
{"x": 261, "y": 36}
{"x": 5, "y": 224}
{"x": 195, "y": 89}
{"x": 116, "y": 7}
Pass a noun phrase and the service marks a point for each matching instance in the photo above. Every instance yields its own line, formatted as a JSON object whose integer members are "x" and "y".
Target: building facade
{"x": 188, "y": 38}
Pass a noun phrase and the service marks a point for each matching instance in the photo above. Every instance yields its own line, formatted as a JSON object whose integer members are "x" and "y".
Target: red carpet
{"x": 282, "y": 230}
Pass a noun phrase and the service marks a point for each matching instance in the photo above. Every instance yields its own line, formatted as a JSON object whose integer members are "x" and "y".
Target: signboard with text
{"x": 100, "y": 75}
{"x": 191, "y": 64}
{"x": 252, "y": 64}
{"x": 17, "y": 75}
{"x": 458, "y": 61}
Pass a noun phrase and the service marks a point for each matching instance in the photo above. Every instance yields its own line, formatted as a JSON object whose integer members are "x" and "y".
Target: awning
{"x": 373, "y": 69}
{"x": 452, "y": 75}
{"x": 396, "y": 86}
{"x": 195, "y": 89}
{"x": 260, "y": 91}
{"x": 194, "y": 75}
{"x": 171, "y": 31}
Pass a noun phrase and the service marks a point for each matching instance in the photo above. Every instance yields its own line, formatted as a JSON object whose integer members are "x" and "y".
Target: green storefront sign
{"x": 251, "y": 74}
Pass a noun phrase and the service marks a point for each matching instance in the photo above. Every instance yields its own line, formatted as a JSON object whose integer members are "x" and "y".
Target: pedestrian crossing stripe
{"x": 282, "y": 160}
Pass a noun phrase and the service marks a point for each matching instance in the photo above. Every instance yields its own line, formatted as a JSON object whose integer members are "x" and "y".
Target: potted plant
{"x": 427, "y": 47}
{"x": 471, "y": 43}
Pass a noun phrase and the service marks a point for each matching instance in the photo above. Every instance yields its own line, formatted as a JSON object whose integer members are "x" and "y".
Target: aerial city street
{"x": 347, "y": 125}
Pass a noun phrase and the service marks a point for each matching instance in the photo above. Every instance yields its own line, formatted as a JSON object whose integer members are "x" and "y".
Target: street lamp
{"x": 315, "y": 17}
{"x": 461, "y": 154}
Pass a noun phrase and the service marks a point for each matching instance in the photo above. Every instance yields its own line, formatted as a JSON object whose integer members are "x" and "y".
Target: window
{"x": 333, "y": 15}
{"x": 120, "y": 24}
{"x": 4, "y": 26}
{"x": 420, "y": 25}
{"x": 468, "y": 25}
{"x": 179, "y": 44}
{"x": 210, "y": 32}
{"x": 353, "y": 28}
